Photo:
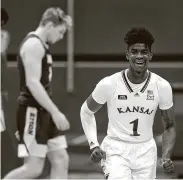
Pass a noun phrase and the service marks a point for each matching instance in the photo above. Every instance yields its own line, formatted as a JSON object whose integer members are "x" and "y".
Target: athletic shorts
{"x": 125, "y": 160}
{"x": 38, "y": 133}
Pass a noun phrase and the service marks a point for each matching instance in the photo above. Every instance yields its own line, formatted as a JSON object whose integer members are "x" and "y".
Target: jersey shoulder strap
{"x": 31, "y": 35}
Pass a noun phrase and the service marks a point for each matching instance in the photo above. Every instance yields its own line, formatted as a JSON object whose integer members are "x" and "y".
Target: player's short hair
{"x": 54, "y": 15}
{"x": 4, "y": 16}
{"x": 139, "y": 35}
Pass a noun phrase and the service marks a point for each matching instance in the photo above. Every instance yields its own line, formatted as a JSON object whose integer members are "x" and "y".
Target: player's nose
{"x": 139, "y": 55}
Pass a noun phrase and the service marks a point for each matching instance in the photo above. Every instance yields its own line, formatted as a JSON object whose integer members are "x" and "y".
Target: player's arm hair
{"x": 169, "y": 134}
{"x": 32, "y": 53}
{"x": 89, "y": 107}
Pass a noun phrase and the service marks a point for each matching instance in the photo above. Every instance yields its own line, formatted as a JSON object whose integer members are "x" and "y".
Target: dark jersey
{"x": 3, "y": 73}
{"x": 25, "y": 96}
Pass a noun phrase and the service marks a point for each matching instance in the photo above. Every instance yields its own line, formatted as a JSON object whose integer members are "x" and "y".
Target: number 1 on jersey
{"x": 135, "y": 126}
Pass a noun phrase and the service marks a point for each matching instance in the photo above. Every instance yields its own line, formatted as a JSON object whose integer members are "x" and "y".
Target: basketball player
{"x": 132, "y": 96}
{"x": 40, "y": 123}
{"x": 5, "y": 39}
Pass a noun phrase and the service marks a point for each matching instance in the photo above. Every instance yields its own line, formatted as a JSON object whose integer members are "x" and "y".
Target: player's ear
{"x": 49, "y": 25}
{"x": 127, "y": 55}
{"x": 150, "y": 55}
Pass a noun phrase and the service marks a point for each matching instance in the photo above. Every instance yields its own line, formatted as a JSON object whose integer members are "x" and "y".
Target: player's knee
{"x": 34, "y": 169}
{"x": 59, "y": 157}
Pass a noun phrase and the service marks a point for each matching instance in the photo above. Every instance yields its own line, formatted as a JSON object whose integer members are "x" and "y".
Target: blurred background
{"x": 92, "y": 50}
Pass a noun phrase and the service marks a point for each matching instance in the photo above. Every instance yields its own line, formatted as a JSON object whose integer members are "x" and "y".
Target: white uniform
{"x": 131, "y": 109}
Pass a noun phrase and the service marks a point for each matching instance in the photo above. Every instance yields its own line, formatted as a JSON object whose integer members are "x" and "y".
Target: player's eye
{"x": 134, "y": 51}
{"x": 144, "y": 52}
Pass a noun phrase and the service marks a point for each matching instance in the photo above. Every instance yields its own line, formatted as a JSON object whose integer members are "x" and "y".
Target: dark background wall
{"x": 100, "y": 25}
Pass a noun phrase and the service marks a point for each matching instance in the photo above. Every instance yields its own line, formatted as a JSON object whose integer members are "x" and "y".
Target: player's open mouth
{"x": 139, "y": 63}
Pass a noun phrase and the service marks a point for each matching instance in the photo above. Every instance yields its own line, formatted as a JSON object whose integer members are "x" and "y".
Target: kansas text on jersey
{"x": 132, "y": 107}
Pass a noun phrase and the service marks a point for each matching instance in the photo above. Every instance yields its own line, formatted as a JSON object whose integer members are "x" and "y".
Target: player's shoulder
{"x": 32, "y": 44}
{"x": 108, "y": 82}
{"x": 160, "y": 81}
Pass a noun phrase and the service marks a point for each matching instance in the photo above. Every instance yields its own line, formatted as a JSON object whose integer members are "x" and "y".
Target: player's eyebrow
{"x": 134, "y": 49}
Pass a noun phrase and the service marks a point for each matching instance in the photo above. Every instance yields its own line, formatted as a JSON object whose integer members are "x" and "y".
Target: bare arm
{"x": 169, "y": 134}
{"x": 5, "y": 40}
{"x": 32, "y": 53}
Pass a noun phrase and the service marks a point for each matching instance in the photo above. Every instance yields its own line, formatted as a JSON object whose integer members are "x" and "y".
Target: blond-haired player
{"x": 40, "y": 123}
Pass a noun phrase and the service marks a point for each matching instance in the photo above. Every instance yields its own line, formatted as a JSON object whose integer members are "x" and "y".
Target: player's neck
{"x": 42, "y": 33}
{"x": 136, "y": 77}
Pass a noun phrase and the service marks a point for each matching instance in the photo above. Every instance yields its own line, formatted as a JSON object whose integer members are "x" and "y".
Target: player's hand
{"x": 60, "y": 121}
{"x": 167, "y": 165}
{"x": 17, "y": 135}
{"x": 97, "y": 154}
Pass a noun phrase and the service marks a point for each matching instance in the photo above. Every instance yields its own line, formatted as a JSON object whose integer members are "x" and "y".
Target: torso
{"x": 25, "y": 96}
{"x": 131, "y": 108}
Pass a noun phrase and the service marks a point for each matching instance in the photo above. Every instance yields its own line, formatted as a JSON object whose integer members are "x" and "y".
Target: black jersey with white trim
{"x": 25, "y": 96}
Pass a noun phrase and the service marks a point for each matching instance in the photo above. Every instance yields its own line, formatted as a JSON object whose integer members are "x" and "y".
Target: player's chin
{"x": 140, "y": 67}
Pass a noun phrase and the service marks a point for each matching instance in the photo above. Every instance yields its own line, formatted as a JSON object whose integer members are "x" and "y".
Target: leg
{"x": 115, "y": 167}
{"x": 32, "y": 145}
{"x": 58, "y": 157}
{"x": 145, "y": 162}
{"x": 32, "y": 168}
{"x": 148, "y": 172}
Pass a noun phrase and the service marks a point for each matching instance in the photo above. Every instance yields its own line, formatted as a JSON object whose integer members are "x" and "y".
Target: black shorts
{"x": 35, "y": 128}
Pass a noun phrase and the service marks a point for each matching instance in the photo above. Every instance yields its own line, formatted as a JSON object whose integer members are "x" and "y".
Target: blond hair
{"x": 54, "y": 15}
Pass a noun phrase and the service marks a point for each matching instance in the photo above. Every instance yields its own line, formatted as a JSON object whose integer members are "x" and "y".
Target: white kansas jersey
{"x": 132, "y": 107}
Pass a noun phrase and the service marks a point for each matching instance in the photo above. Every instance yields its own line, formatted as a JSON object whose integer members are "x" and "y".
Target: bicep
{"x": 92, "y": 104}
{"x": 168, "y": 118}
{"x": 32, "y": 55}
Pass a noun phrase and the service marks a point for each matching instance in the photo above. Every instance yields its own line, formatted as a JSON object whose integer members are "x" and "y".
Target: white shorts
{"x": 38, "y": 150}
{"x": 125, "y": 160}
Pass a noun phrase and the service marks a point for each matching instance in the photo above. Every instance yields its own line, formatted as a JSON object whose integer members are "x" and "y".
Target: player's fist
{"x": 17, "y": 135}
{"x": 97, "y": 154}
{"x": 60, "y": 121}
{"x": 167, "y": 165}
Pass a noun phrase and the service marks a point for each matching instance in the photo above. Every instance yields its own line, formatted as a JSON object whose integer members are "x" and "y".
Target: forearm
{"x": 169, "y": 137}
{"x": 41, "y": 96}
{"x": 89, "y": 125}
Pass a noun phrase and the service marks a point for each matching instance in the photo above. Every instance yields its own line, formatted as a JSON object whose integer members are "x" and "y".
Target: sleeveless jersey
{"x": 25, "y": 96}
